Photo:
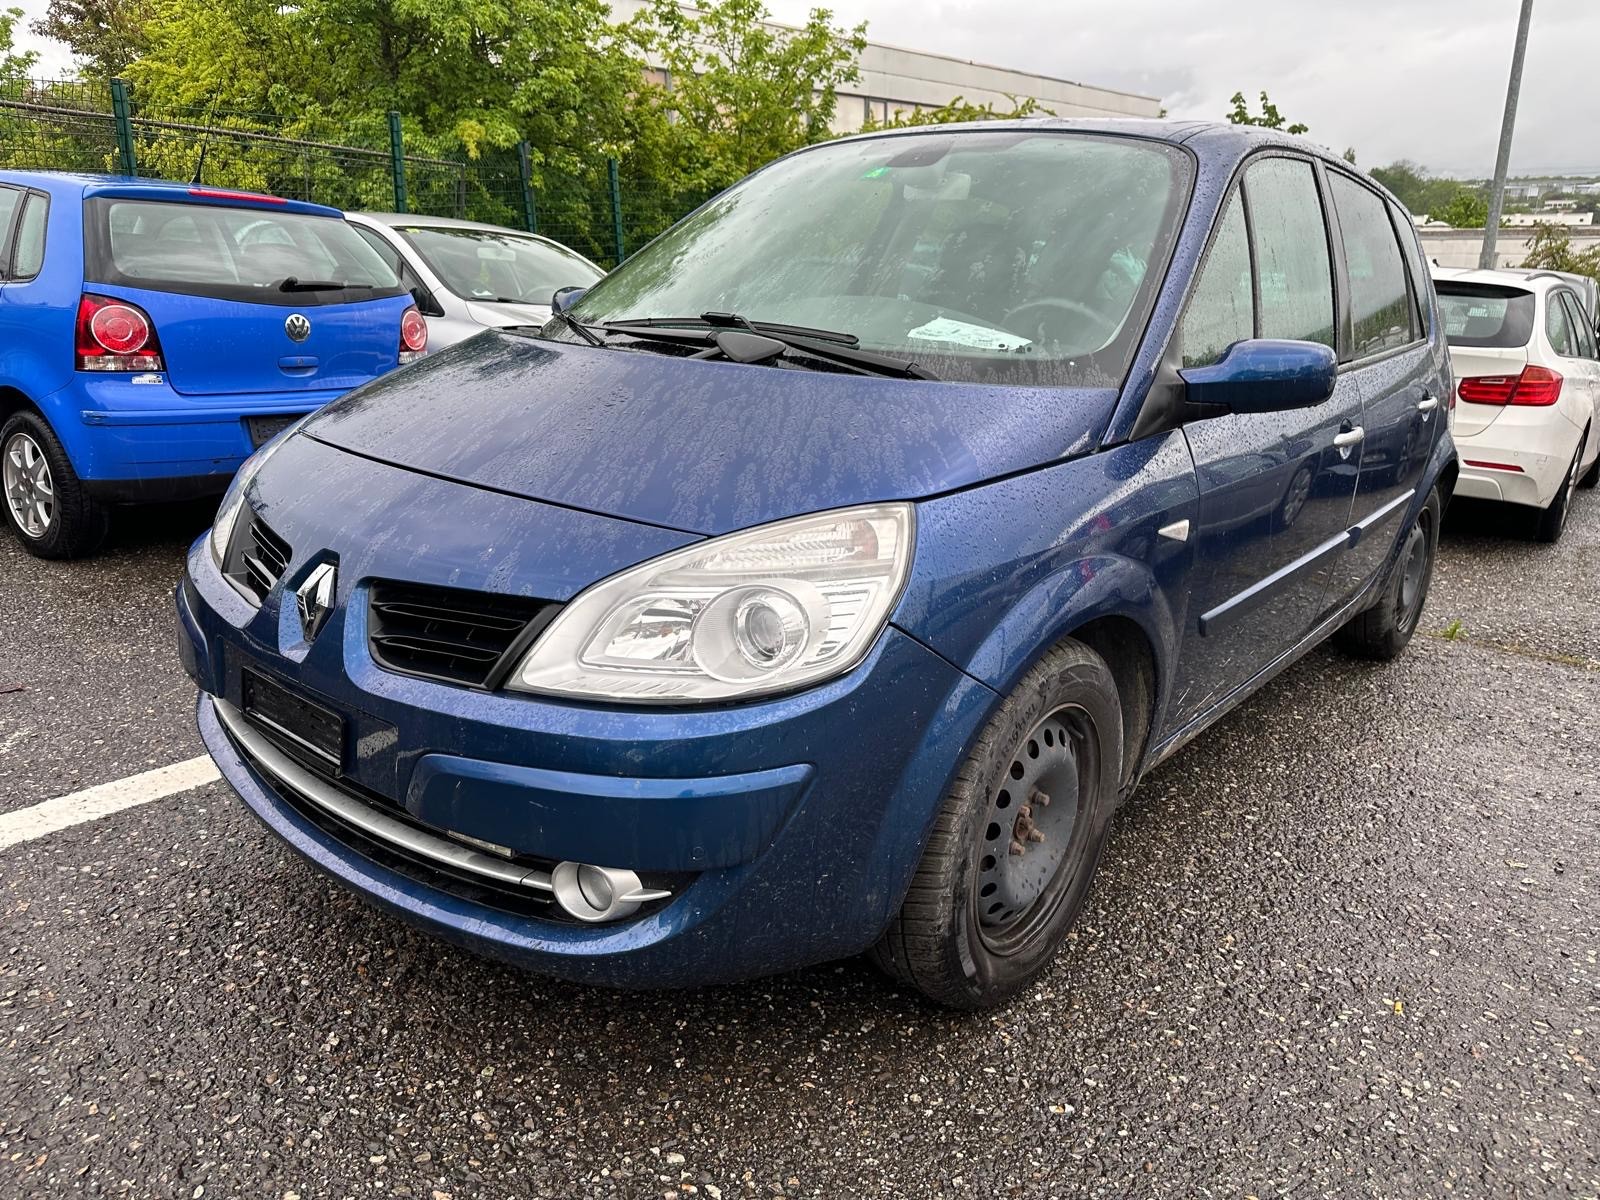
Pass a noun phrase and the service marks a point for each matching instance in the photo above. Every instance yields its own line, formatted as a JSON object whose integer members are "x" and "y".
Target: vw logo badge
{"x": 314, "y": 598}
{"x": 297, "y": 326}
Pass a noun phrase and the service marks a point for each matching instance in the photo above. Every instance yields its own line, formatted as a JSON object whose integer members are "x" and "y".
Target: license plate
{"x": 310, "y": 732}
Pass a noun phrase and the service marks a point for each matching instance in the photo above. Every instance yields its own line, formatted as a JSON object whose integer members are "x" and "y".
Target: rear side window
{"x": 1558, "y": 327}
{"x": 1292, "y": 265}
{"x": 1412, "y": 249}
{"x": 1380, "y": 304}
{"x": 1581, "y": 329}
{"x": 28, "y": 258}
{"x": 1222, "y": 308}
{"x": 256, "y": 255}
{"x": 1484, "y": 315}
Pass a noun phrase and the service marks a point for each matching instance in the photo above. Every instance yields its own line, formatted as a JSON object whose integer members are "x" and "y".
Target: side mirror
{"x": 426, "y": 304}
{"x": 566, "y": 297}
{"x": 1264, "y": 375}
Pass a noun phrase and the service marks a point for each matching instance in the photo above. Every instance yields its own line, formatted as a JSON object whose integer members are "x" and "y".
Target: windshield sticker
{"x": 962, "y": 333}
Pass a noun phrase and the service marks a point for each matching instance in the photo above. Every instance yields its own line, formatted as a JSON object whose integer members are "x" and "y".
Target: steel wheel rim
{"x": 29, "y": 486}
{"x": 1017, "y": 895}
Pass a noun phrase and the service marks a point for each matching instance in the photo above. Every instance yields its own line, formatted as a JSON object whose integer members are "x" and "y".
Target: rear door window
{"x": 1581, "y": 330}
{"x": 1293, "y": 270}
{"x": 1558, "y": 327}
{"x": 27, "y": 260}
{"x": 10, "y": 201}
{"x": 1484, "y": 315}
{"x": 257, "y": 255}
{"x": 1222, "y": 309}
{"x": 1381, "y": 315}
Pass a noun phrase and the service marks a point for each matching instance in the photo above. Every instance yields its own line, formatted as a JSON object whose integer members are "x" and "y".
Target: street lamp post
{"x": 1502, "y": 161}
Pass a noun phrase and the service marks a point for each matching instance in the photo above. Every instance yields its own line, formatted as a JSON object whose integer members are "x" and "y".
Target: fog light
{"x": 596, "y": 894}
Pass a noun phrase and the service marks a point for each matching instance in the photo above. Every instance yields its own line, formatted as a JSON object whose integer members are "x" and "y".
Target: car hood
{"x": 497, "y": 314}
{"x": 703, "y": 447}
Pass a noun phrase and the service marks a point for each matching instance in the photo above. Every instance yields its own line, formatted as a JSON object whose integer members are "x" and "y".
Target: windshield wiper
{"x": 291, "y": 284}
{"x": 828, "y": 344}
{"x": 578, "y": 327}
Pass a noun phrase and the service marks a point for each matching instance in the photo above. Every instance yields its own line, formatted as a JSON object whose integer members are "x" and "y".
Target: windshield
{"x": 477, "y": 264}
{"x": 1006, "y": 257}
{"x": 232, "y": 253}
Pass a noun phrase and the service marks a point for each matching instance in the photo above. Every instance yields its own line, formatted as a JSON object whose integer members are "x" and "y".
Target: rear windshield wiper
{"x": 291, "y": 284}
{"x": 827, "y": 344}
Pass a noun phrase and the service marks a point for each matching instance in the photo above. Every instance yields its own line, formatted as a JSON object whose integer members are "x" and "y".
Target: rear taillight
{"x": 1536, "y": 387}
{"x": 114, "y": 335}
{"x": 413, "y": 335}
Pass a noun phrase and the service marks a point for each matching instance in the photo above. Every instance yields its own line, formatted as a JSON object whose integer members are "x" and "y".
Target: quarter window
{"x": 1293, "y": 271}
{"x": 29, "y": 255}
{"x": 1558, "y": 327}
{"x": 1582, "y": 331}
{"x": 9, "y": 199}
{"x": 1222, "y": 309}
{"x": 1380, "y": 305}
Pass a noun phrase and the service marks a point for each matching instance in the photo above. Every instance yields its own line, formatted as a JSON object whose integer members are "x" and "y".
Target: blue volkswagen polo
{"x": 820, "y": 581}
{"x": 153, "y": 335}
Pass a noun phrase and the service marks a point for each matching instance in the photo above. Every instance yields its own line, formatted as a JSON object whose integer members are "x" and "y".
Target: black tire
{"x": 76, "y": 524}
{"x": 1592, "y": 475}
{"x": 1552, "y": 521}
{"x": 1382, "y": 631}
{"x": 1064, "y": 721}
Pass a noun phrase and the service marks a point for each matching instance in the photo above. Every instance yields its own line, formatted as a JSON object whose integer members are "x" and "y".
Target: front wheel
{"x": 1382, "y": 631}
{"x": 45, "y": 503}
{"x": 1016, "y": 842}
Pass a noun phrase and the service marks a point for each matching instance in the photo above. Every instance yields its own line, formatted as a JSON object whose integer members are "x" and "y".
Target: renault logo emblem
{"x": 314, "y": 598}
{"x": 297, "y": 326}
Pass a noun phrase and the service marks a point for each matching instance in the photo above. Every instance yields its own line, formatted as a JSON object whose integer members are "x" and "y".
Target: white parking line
{"x": 91, "y": 804}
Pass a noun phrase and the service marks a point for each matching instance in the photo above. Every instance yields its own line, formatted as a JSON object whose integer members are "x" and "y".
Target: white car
{"x": 1527, "y": 368}
{"x": 468, "y": 276}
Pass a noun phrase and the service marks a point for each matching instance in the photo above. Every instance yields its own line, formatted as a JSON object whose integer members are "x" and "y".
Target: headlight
{"x": 764, "y": 610}
{"x": 227, "y": 518}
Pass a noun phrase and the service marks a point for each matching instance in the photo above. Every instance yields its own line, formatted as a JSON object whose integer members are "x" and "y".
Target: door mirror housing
{"x": 1263, "y": 375}
{"x": 566, "y": 297}
{"x": 425, "y": 302}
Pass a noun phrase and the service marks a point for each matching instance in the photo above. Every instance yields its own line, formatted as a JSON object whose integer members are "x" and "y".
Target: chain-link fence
{"x": 373, "y": 164}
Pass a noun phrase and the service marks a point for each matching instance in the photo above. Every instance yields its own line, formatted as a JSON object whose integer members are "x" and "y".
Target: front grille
{"x": 452, "y": 635}
{"x": 263, "y": 429}
{"x": 258, "y": 557}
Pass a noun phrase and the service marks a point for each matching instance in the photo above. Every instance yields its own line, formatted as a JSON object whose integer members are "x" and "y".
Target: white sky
{"x": 1417, "y": 79}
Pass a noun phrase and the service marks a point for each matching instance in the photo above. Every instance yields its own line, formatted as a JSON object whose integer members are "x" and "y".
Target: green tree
{"x": 1551, "y": 250}
{"x": 740, "y": 91}
{"x": 1270, "y": 117}
{"x": 1466, "y": 210}
{"x": 959, "y": 110}
{"x": 106, "y": 35}
{"x": 15, "y": 67}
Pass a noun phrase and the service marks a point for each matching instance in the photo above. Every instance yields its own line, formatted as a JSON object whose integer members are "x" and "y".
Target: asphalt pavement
{"x": 1345, "y": 945}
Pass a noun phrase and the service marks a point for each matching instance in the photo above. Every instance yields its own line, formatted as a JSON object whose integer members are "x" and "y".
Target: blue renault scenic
{"x": 821, "y": 581}
{"x": 153, "y": 335}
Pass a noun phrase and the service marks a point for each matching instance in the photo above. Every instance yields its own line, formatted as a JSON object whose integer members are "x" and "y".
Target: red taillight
{"x": 114, "y": 335}
{"x": 1535, "y": 387}
{"x": 413, "y": 335}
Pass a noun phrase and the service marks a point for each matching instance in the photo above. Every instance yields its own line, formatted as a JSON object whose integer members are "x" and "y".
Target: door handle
{"x": 1427, "y": 404}
{"x": 1350, "y": 437}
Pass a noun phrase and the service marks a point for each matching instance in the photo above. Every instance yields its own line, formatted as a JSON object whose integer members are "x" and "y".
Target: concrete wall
{"x": 1459, "y": 247}
{"x": 895, "y": 79}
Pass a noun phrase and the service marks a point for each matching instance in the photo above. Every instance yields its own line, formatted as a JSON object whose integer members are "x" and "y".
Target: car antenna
{"x": 211, "y": 113}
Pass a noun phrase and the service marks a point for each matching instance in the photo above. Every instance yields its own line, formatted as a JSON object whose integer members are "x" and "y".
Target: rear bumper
{"x": 1522, "y": 458}
{"x": 135, "y": 442}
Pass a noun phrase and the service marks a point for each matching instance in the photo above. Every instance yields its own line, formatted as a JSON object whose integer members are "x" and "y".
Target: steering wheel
{"x": 1104, "y": 323}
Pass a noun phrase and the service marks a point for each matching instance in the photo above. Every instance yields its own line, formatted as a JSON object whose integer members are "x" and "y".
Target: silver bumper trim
{"x": 314, "y": 790}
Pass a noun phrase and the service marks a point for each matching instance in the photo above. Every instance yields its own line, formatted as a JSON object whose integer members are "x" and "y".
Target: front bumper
{"x": 788, "y": 828}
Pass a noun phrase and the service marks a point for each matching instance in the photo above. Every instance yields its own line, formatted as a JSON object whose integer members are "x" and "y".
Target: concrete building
{"x": 897, "y": 80}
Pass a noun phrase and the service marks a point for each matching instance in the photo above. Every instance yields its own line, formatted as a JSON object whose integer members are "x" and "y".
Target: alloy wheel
{"x": 29, "y": 486}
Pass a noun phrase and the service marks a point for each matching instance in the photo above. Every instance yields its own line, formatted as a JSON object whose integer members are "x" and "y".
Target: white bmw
{"x": 1527, "y": 365}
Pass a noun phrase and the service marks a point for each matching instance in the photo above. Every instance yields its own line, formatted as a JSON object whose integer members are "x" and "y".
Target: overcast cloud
{"x": 1417, "y": 79}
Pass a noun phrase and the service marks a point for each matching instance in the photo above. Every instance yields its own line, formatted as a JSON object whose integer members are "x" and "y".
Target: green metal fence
{"x": 374, "y": 163}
